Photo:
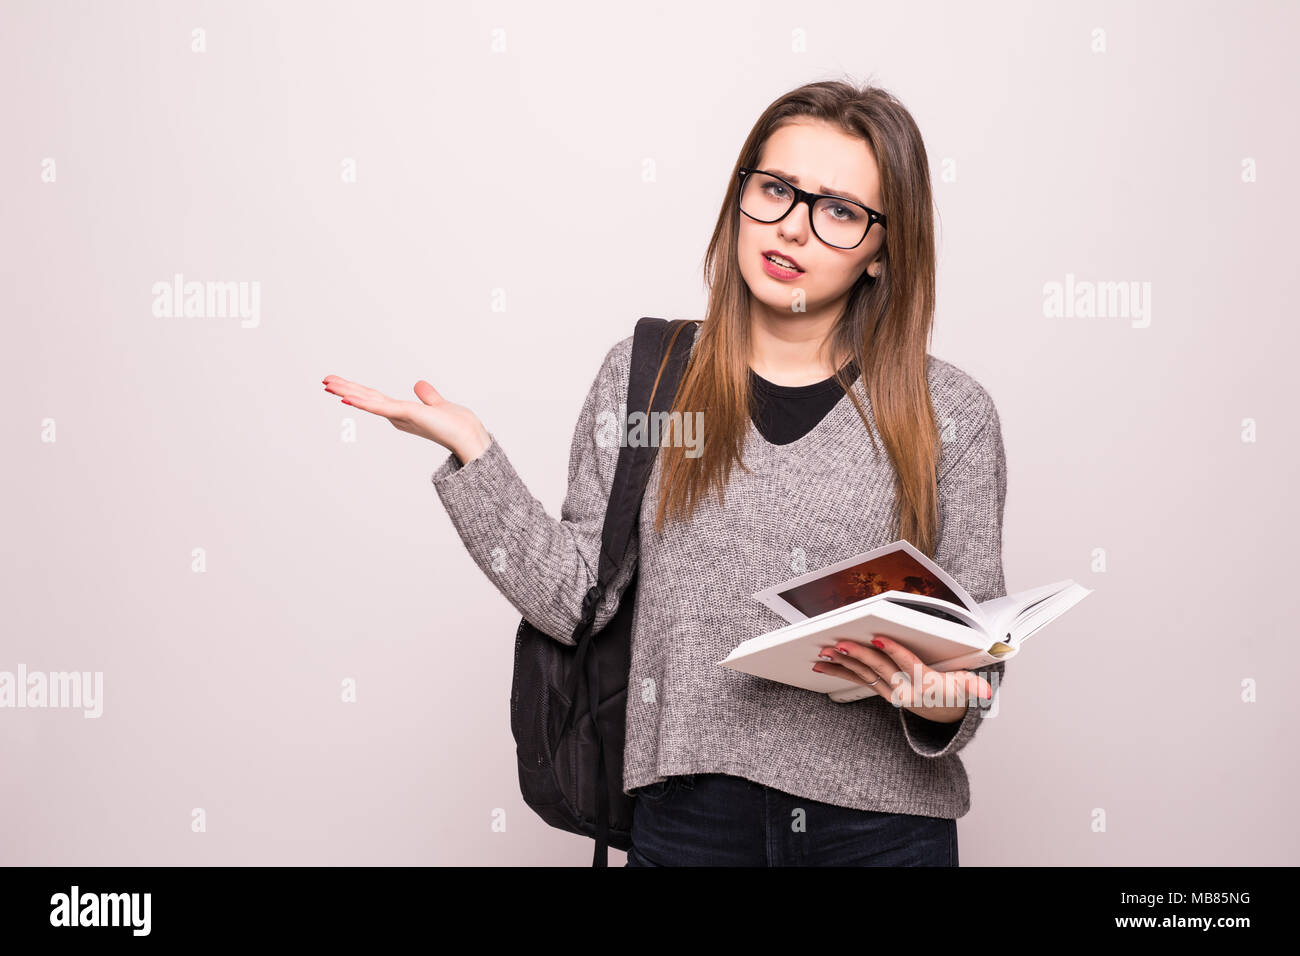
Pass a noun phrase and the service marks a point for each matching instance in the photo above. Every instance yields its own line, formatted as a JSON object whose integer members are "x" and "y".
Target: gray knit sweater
{"x": 803, "y": 505}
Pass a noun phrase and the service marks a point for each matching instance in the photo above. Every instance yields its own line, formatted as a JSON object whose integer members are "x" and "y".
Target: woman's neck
{"x": 793, "y": 351}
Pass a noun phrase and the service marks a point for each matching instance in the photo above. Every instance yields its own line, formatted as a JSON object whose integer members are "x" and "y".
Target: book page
{"x": 1004, "y": 613}
{"x": 1047, "y": 611}
{"x": 895, "y": 567}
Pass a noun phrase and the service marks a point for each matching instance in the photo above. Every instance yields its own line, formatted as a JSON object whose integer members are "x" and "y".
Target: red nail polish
{"x": 876, "y": 643}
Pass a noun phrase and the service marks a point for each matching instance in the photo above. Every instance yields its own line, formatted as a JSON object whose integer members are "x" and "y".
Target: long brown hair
{"x": 886, "y": 321}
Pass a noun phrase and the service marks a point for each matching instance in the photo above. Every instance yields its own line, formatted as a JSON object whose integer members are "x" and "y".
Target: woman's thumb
{"x": 427, "y": 393}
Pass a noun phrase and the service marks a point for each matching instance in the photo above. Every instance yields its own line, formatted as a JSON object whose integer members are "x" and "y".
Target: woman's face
{"x": 819, "y": 158}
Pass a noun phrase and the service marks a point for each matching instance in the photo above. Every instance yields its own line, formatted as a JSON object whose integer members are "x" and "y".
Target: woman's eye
{"x": 843, "y": 213}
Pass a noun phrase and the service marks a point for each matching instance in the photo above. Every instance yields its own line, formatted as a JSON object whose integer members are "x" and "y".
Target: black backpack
{"x": 571, "y": 765}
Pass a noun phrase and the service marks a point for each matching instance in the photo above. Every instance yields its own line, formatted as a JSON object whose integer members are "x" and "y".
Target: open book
{"x": 898, "y": 592}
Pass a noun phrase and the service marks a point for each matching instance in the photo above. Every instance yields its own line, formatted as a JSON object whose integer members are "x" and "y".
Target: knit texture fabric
{"x": 801, "y": 506}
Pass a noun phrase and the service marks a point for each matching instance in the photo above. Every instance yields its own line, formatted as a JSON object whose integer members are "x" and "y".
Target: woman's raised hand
{"x": 453, "y": 426}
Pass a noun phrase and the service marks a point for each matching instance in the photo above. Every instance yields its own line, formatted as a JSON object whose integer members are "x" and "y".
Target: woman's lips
{"x": 778, "y": 272}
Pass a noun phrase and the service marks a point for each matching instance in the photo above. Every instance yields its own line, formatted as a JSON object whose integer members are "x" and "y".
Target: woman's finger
{"x": 877, "y": 659}
{"x": 958, "y": 687}
{"x": 365, "y": 393}
{"x": 900, "y": 683}
{"x": 920, "y": 675}
{"x": 907, "y": 662}
{"x": 350, "y": 390}
{"x": 340, "y": 386}
{"x": 378, "y": 404}
{"x": 873, "y": 666}
{"x": 899, "y": 693}
{"x": 839, "y": 670}
{"x": 363, "y": 397}
{"x": 968, "y": 684}
{"x": 427, "y": 393}
{"x": 847, "y": 667}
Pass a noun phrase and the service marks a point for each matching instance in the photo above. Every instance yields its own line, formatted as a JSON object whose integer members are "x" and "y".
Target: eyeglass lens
{"x": 836, "y": 223}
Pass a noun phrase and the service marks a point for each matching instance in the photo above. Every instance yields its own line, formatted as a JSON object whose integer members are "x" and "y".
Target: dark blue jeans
{"x": 714, "y": 819}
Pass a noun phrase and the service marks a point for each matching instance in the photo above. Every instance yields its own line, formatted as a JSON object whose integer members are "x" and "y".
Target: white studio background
{"x": 488, "y": 196}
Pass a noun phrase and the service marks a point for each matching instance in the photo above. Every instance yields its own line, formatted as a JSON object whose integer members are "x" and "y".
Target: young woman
{"x": 811, "y": 370}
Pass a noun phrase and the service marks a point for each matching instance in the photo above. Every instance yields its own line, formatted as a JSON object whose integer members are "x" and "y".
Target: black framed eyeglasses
{"x": 836, "y": 221}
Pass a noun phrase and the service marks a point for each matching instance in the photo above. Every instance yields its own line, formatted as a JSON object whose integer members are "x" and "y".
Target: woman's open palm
{"x": 433, "y": 417}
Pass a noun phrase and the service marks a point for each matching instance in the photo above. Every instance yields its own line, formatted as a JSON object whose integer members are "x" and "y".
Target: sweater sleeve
{"x": 542, "y": 566}
{"x": 972, "y": 496}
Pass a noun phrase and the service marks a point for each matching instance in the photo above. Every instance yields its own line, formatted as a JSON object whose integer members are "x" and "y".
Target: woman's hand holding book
{"x": 926, "y": 692}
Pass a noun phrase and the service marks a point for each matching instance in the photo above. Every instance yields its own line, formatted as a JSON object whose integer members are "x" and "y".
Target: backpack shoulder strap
{"x": 652, "y": 340}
